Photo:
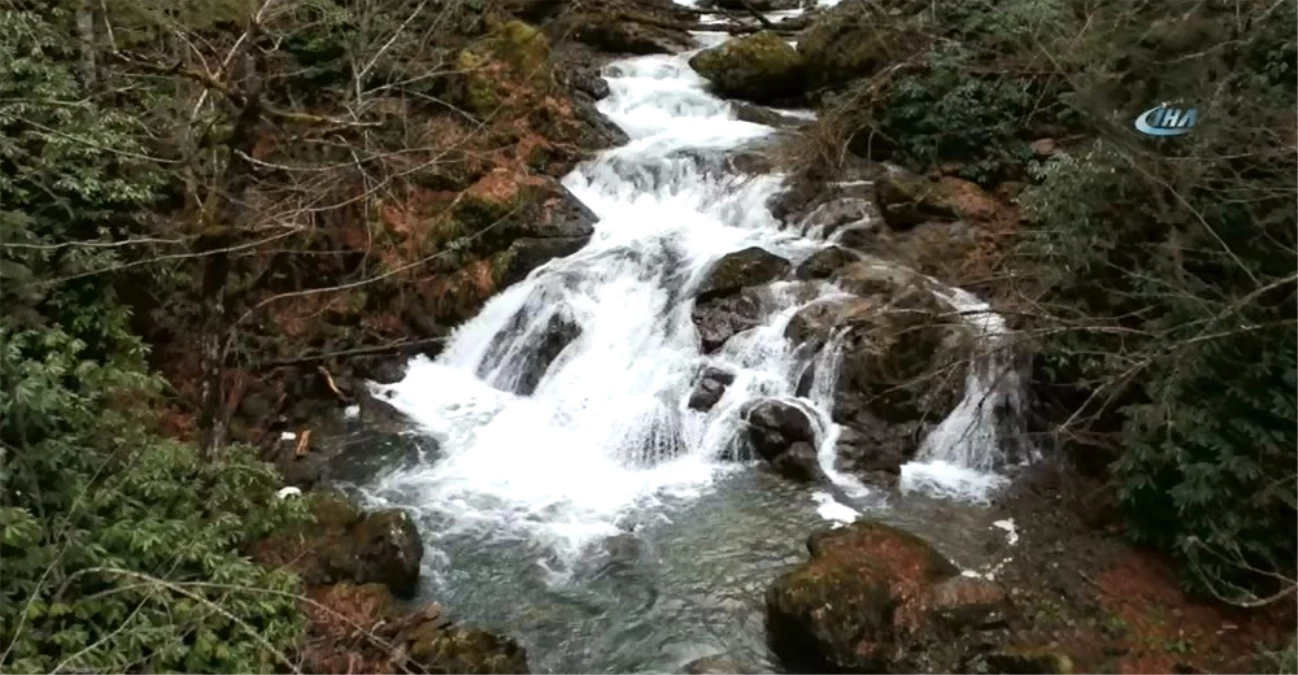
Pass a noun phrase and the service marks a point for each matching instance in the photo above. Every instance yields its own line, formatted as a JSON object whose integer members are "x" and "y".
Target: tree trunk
{"x": 222, "y": 220}
{"x": 86, "y": 34}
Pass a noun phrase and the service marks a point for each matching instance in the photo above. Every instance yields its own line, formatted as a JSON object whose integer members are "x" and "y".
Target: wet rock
{"x": 902, "y": 364}
{"x": 522, "y": 352}
{"x": 799, "y": 462}
{"x": 1020, "y": 661}
{"x": 387, "y": 550}
{"x": 752, "y": 266}
{"x": 962, "y": 603}
{"x": 589, "y": 82}
{"x": 720, "y": 319}
{"x": 876, "y": 450}
{"x": 858, "y": 604}
{"x": 761, "y": 67}
{"x": 528, "y": 253}
{"x": 710, "y": 388}
{"x": 717, "y": 664}
{"x": 784, "y": 436}
{"x": 823, "y": 263}
{"x": 854, "y": 40}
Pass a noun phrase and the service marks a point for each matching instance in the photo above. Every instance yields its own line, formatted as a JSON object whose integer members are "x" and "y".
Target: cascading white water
{"x": 558, "y": 454}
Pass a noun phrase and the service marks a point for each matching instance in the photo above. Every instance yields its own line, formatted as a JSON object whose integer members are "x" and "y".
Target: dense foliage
{"x": 1162, "y": 270}
{"x": 120, "y": 549}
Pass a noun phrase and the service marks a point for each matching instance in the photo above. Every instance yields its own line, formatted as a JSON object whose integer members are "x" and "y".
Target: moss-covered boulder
{"x": 906, "y": 200}
{"x": 511, "y": 60}
{"x": 344, "y": 544}
{"x": 761, "y": 67}
{"x": 855, "y": 39}
{"x": 857, "y": 603}
{"x": 749, "y": 267}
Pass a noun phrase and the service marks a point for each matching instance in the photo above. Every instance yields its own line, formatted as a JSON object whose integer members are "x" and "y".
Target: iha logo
{"x": 1164, "y": 120}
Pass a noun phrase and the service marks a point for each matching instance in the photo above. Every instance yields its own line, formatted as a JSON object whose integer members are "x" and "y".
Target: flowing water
{"x": 575, "y": 501}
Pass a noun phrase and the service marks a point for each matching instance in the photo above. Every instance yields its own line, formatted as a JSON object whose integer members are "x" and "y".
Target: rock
{"x": 875, "y": 449}
{"x": 854, "y": 40}
{"x": 388, "y": 551}
{"x": 901, "y": 370}
{"x": 857, "y": 604}
{"x": 588, "y": 81}
{"x": 528, "y": 253}
{"x": 761, "y": 67}
{"x": 719, "y": 319}
{"x": 345, "y": 545}
{"x": 465, "y": 650}
{"x": 518, "y": 367}
{"x": 710, "y": 388}
{"x": 752, "y": 266}
{"x": 717, "y": 664}
{"x": 823, "y": 263}
{"x": 906, "y": 200}
{"x": 964, "y": 602}
{"x": 1020, "y": 660}
{"x": 774, "y": 426}
{"x": 799, "y": 462}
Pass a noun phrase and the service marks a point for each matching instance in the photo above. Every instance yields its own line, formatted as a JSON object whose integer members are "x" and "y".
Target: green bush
{"x": 1171, "y": 265}
{"x": 120, "y": 549}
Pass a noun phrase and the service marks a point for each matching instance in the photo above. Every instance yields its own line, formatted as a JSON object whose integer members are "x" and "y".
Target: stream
{"x": 574, "y": 501}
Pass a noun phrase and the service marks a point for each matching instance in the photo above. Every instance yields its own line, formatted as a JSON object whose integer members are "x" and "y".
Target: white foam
{"x": 833, "y": 510}
{"x": 944, "y": 479}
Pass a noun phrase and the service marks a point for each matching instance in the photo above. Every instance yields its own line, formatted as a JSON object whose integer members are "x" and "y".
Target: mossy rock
{"x": 333, "y": 511}
{"x": 857, "y": 603}
{"x": 752, "y": 266}
{"x": 522, "y": 46}
{"x": 761, "y": 67}
{"x": 854, "y": 40}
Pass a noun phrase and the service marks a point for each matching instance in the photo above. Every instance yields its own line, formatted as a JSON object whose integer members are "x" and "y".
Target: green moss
{"x": 522, "y": 46}
{"x": 477, "y": 91}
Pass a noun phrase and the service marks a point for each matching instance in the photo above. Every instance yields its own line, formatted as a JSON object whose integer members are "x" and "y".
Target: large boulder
{"x": 857, "y": 38}
{"x": 904, "y": 354}
{"x": 907, "y": 199}
{"x": 761, "y": 67}
{"x": 752, "y": 266}
{"x": 824, "y": 263}
{"x": 344, "y": 544}
{"x": 873, "y": 599}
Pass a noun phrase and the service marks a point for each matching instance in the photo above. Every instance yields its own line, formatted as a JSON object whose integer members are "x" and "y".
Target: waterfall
{"x": 562, "y": 406}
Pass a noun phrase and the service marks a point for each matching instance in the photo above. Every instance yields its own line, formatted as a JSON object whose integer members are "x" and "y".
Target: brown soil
{"x": 1083, "y": 589}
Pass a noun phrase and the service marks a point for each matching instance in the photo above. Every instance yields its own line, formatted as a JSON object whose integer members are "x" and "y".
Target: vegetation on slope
{"x": 1156, "y": 275}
